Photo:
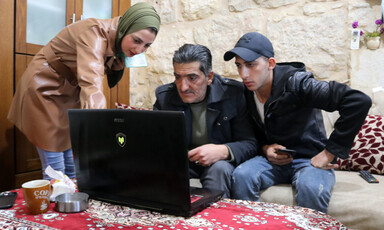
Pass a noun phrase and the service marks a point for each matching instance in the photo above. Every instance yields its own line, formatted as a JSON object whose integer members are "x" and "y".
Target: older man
{"x": 218, "y": 130}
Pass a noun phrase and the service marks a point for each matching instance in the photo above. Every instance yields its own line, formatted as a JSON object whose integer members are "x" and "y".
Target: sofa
{"x": 354, "y": 202}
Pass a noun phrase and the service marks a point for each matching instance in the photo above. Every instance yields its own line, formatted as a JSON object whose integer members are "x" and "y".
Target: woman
{"x": 68, "y": 73}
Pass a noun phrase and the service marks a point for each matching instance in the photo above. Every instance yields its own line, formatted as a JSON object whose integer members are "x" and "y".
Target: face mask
{"x": 139, "y": 60}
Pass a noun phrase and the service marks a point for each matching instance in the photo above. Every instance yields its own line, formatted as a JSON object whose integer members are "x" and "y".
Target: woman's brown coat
{"x": 42, "y": 98}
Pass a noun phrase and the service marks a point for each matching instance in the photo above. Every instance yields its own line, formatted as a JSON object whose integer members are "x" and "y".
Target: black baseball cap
{"x": 250, "y": 47}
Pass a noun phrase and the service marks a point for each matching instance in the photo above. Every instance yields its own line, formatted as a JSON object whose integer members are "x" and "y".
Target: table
{"x": 224, "y": 214}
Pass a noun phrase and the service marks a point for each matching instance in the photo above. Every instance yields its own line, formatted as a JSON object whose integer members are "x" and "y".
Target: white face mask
{"x": 139, "y": 60}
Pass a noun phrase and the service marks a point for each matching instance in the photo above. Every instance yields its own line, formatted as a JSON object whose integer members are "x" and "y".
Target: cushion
{"x": 124, "y": 106}
{"x": 367, "y": 152}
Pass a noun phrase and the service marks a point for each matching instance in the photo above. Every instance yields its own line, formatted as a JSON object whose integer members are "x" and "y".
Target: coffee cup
{"x": 36, "y": 195}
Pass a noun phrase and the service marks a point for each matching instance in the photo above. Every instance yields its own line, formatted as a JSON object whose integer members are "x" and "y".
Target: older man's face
{"x": 191, "y": 83}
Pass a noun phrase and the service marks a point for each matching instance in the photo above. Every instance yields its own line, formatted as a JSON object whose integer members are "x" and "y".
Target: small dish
{"x": 71, "y": 202}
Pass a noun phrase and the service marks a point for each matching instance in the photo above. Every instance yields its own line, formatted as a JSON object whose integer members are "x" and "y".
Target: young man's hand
{"x": 277, "y": 158}
{"x": 323, "y": 159}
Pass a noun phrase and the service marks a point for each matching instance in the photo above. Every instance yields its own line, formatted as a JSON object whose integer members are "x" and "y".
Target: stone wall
{"x": 316, "y": 32}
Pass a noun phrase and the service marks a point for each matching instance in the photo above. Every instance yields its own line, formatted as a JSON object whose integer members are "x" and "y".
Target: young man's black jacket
{"x": 293, "y": 112}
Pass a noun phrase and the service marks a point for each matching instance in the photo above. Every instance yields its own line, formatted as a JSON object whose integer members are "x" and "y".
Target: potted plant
{"x": 372, "y": 39}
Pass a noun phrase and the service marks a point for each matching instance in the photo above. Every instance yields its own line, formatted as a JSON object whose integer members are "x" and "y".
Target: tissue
{"x": 60, "y": 183}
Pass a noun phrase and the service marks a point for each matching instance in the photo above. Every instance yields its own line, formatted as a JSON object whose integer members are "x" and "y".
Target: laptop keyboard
{"x": 195, "y": 198}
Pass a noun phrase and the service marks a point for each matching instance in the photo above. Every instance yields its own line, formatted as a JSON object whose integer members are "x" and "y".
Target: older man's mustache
{"x": 187, "y": 91}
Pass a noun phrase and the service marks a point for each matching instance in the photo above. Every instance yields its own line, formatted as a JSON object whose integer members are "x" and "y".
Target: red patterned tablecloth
{"x": 225, "y": 214}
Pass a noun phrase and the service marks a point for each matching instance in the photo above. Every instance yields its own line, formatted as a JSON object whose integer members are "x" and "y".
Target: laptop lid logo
{"x": 121, "y": 139}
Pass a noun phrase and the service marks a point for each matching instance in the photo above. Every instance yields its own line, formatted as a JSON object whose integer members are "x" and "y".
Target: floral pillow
{"x": 367, "y": 152}
{"x": 124, "y": 106}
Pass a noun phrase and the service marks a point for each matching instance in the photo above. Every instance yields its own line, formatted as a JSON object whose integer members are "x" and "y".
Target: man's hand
{"x": 208, "y": 154}
{"x": 277, "y": 158}
{"x": 323, "y": 159}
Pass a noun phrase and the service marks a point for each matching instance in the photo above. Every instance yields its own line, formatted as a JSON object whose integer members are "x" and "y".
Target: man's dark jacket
{"x": 226, "y": 116}
{"x": 293, "y": 113}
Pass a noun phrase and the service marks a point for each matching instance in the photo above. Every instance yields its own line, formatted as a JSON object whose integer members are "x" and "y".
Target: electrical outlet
{"x": 355, "y": 40}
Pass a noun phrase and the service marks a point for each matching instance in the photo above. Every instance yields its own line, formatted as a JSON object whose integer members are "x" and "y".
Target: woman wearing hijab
{"x": 68, "y": 73}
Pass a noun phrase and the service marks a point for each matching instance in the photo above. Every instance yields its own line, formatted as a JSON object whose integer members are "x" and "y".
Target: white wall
{"x": 316, "y": 32}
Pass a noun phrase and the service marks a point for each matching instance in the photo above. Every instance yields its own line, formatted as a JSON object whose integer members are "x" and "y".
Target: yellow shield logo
{"x": 121, "y": 139}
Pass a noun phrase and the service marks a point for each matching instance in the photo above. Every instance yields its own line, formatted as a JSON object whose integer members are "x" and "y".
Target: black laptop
{"x": 136, "y": 158}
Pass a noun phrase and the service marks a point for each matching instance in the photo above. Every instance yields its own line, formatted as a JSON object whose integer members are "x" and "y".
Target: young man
{"x": 285, "y": 102}
{"x": 218, "y": 129}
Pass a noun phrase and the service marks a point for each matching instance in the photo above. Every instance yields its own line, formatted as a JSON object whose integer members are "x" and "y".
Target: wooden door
{"x": 7, "y": 155}
{"x": 120, "y": 93}
{"x": 22, "y": 45}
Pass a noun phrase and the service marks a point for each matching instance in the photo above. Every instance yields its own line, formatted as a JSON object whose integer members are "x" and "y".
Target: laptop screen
{"x": 133, "y": 157}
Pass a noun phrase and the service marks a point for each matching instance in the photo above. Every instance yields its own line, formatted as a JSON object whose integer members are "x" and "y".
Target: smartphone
{"x": 7, "y": 199}
{"x": 287, "y": 151}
